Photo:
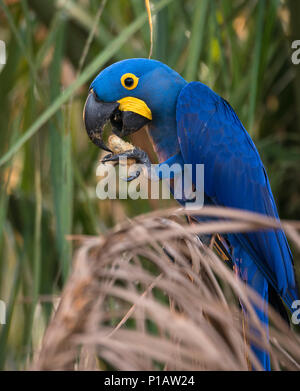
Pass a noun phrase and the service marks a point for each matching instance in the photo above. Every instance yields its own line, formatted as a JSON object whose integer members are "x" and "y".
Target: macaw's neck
{"x": 163, "y": 127}
{"x": 164, "y": 139}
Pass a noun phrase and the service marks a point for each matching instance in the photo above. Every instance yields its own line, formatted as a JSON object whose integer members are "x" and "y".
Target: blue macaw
{"x": 189, "y": 123}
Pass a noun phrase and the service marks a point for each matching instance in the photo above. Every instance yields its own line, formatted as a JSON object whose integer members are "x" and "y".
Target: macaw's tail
{"x": 248, "y": 271}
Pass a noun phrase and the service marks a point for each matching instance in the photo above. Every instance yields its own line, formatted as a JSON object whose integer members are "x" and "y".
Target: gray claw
{"x": 137, "y": 154}
{"x": 110, "y": 158}
{"x": 131, "y": 177}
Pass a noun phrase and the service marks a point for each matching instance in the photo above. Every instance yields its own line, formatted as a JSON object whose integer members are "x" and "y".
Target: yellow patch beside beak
{"x": 135, "y": 105}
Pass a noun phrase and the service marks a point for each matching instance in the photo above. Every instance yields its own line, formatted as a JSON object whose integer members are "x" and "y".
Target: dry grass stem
{"x": 149, "y": 295}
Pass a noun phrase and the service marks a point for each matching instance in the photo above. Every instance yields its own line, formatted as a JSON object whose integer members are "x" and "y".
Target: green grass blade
{"x": 256, "y": 65}
{"x": 196, "y": 42}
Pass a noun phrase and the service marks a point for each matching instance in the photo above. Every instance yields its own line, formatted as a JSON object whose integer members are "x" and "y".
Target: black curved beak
{"x": 97, "y": 113}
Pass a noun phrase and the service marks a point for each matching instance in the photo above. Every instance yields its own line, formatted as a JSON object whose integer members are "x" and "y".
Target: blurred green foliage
{"x": 239, "y": 48}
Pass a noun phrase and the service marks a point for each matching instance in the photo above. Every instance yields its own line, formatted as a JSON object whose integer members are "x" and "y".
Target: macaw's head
{"x": 131, "y": 94}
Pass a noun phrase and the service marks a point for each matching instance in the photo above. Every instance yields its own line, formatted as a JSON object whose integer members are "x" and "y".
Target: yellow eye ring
{"x": 129, "y": 81}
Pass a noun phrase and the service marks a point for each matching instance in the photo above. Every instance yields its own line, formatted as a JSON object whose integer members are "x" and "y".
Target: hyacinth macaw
{"x": 189, "y": 123}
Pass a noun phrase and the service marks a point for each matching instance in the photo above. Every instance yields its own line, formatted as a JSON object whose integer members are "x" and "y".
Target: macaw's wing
{"x": 210, "y": 133}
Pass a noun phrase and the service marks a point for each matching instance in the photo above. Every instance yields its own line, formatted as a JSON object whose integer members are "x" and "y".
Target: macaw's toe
{"x": 139, "y": 156}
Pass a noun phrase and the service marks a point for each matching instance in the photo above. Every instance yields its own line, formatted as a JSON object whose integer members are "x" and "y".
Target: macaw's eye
{"x": 129, "y": 81}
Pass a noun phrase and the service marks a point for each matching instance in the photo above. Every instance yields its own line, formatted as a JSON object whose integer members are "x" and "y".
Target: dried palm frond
{"x": 149, "y": 295}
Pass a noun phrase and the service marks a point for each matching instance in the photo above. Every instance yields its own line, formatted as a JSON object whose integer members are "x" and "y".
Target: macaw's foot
{"x": 141, "y": 158}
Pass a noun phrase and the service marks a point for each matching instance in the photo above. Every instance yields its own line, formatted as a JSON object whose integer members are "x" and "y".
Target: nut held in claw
{"x": 118, "y": 146}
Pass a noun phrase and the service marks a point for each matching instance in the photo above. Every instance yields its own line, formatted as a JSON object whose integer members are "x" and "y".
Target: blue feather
{"x": 210, "y": 133}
